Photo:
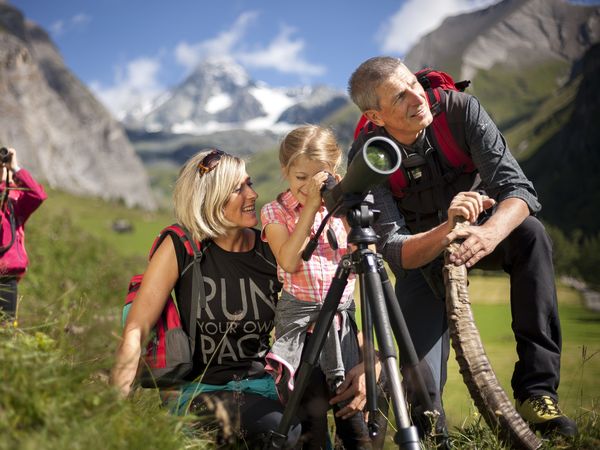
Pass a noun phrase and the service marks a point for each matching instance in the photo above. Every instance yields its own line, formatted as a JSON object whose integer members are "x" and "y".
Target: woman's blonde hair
{"x": 200, "y": 198}
{"x": 313, "y": 142}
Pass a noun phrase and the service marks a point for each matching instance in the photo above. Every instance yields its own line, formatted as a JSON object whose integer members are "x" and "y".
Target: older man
{"x": 414, "y": 230}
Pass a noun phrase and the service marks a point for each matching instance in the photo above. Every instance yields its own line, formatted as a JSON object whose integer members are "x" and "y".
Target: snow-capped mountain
{"x": 219, "y": 95}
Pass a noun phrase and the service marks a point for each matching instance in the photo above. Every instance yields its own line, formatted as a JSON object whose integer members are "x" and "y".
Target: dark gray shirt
{"x": 501, "y": 177}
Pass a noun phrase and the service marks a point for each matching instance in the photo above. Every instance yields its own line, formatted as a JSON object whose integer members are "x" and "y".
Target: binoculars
{"x": 5, "y": 156}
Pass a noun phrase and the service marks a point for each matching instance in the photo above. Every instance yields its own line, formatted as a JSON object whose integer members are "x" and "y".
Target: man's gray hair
{"x": 367, "y": 78}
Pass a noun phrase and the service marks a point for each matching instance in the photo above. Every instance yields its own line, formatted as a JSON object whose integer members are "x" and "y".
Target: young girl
{"x": 308, "y": 155}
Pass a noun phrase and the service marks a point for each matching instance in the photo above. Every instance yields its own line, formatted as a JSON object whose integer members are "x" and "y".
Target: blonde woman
{"x": 214, "y": 200}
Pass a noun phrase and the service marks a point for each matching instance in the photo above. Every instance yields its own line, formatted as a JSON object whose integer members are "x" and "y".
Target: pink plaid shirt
{"x": 312, "y": 280}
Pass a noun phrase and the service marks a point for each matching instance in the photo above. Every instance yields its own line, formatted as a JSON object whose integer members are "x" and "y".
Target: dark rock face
{"x": 513, "y": 32}
{"x": 565, "y": 168}
{"x": 64, "y": 136}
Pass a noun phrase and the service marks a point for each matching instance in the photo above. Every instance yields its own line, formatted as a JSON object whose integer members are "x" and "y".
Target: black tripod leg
{"x": 407, "y": 436}
{"x": 410, "y": 359}
{"x": 311, "y": 353}
{"x": 369, "y": 361}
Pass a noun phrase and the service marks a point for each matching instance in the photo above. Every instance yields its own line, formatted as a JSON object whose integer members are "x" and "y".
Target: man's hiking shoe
{"x": 543, "y": 415}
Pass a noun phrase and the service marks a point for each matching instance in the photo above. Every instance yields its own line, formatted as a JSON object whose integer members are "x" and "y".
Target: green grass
{"x": 580, "y": 368}
{"x": 54, "y": 367}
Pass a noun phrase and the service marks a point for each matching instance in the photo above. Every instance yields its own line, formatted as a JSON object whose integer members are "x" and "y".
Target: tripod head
{"x": 360, "y": 217}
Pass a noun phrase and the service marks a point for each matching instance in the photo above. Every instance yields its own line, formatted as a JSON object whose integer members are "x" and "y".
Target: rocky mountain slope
{"x": 514, "y": 33}
{"x": 62, "y": 133}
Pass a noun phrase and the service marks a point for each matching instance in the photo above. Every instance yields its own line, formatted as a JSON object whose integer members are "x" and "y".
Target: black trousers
{"x": 241, "y": 420}
{"x": 526, "y": 255}
{"x": 8, "y": 296}
{"x": 352, "y": 433}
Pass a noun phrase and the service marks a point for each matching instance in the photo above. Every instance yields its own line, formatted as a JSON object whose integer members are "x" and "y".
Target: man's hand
{"x": 479, "y": 241}
{"x": 354, "y": 387}
{"x": 468, "y": 205}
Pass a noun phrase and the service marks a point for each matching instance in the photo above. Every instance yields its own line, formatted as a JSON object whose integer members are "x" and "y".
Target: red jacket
{"x": 14, "y": 262}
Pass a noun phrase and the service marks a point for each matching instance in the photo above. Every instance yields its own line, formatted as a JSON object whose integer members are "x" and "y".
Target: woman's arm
{"x": 159, "y": 279}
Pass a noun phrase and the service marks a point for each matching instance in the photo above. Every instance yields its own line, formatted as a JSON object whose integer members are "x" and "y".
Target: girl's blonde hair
{"x": 200, "y": 199}
{"x": 313, "y": 142}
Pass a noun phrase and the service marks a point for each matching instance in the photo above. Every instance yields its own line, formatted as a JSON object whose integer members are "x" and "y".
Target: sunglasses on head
{"x": 210, "y": 161}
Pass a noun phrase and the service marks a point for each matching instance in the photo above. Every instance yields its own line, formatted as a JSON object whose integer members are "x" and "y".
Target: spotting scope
{"x": 377, "y": 159}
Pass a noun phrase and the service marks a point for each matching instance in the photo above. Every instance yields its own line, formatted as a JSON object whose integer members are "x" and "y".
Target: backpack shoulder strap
{"x": 192, "y": 247}
{"x": 196, "y": 250}
{"x": 443, "y": 138}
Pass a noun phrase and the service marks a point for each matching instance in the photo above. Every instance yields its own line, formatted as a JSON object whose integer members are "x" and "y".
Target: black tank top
{"x": 233, "y": 332}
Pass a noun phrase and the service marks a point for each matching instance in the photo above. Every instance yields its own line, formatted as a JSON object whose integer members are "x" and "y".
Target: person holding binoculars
{"x": 20, "y": 196}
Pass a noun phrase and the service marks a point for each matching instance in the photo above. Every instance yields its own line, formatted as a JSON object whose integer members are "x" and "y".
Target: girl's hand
{"x": 313, "y": 190}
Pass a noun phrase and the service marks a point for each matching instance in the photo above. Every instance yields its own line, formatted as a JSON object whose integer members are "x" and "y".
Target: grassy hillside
{"x": 97, "y": 218}
{"x": 54, "y": 367}
{"x": 579, "y": 391}
{"x": 512, "y": 96}
{"x": 265, "y": 170}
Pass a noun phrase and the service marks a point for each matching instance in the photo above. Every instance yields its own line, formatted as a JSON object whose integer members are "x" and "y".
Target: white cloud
{"x": 77, "y": 22}
{"x": 80, "y": 20}
{"x": 57, "y": 28}
{"x": 189, "y": 55}
{"x": 135, "y": 85}
{"x": 415, "y": 19}
{"x": 283, "y": 54}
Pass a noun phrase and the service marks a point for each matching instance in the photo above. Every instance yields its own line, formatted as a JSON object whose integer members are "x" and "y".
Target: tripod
{"x": 377, "y": 300}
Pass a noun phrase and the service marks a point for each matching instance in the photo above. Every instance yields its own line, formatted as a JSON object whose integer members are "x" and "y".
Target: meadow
{"x": 55, "y": 364}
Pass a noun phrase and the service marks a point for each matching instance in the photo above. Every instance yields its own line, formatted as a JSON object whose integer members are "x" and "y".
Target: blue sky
{"x": 130, "y": 50}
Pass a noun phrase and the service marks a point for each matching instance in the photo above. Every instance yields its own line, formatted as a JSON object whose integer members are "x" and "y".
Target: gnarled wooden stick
{"x": 489, "y": 397}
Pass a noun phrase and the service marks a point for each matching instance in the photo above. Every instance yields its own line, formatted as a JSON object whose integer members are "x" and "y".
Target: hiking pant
{"x": 352, "y": 432}
{"x": 526, "y": 255}
{"x": 8, "y": 296}
{"x": 241, "y": 420}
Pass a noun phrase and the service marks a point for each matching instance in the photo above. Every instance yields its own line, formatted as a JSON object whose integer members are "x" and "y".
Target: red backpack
{"x": 170, "y": 350}
{"x": 435, "y": 83}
